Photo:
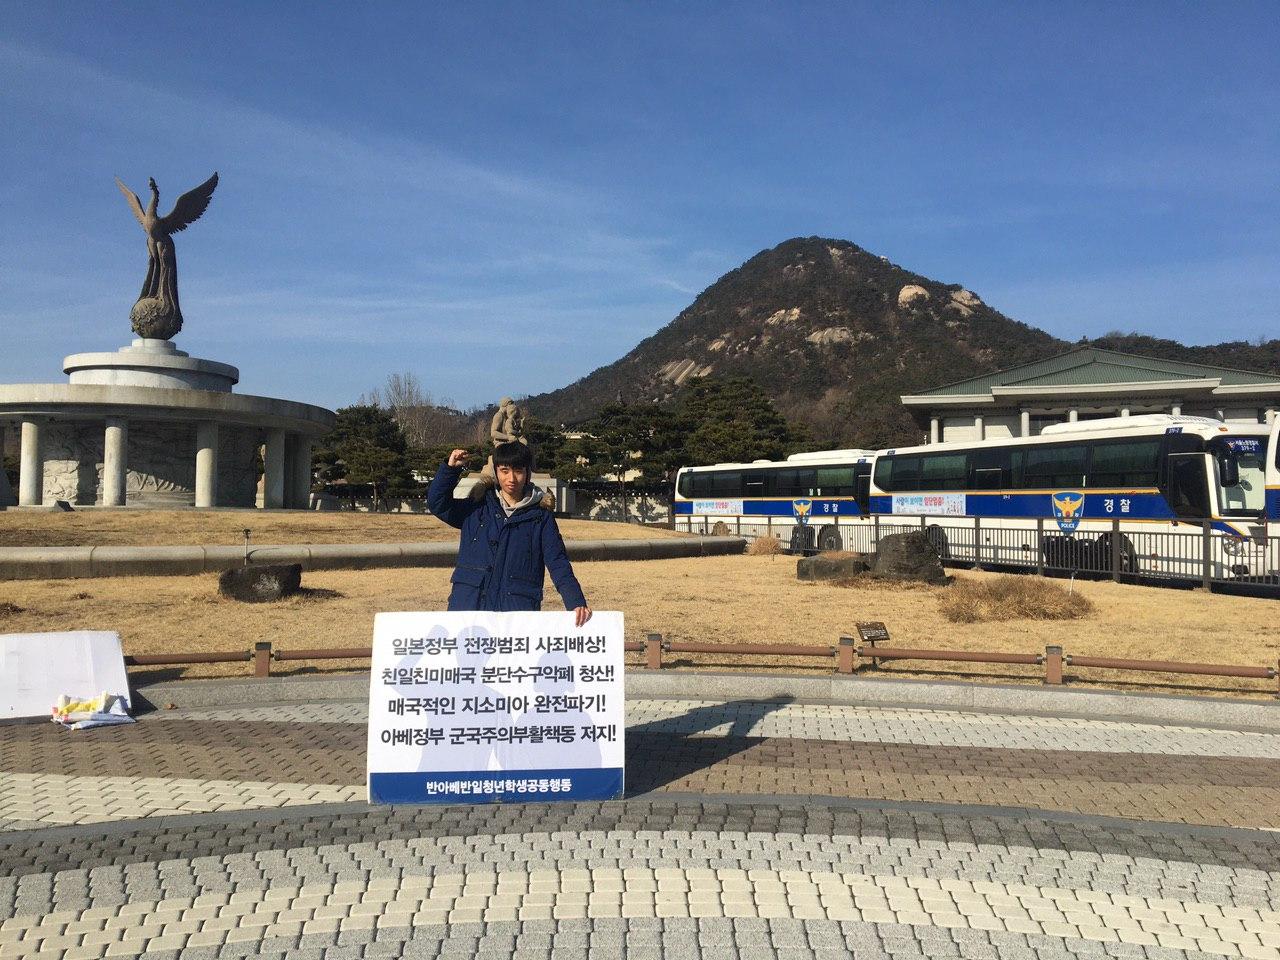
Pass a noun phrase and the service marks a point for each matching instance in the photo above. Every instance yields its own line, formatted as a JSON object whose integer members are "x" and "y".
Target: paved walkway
{"x": 753, "y": 830}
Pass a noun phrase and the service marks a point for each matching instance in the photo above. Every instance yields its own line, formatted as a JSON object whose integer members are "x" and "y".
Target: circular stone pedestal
{"x": 150, "y": 425}
{"x": 151, "y": 363}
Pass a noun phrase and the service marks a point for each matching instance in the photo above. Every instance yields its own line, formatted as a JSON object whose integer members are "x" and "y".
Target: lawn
{"x": 738, "y": 599}
{"x": 214, "y": 527}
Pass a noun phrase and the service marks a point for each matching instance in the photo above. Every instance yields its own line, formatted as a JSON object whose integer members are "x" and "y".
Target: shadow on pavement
{"x": 658, "y": 756}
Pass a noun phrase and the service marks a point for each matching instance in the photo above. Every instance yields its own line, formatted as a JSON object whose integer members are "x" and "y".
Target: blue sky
{"x": 500, "y": 198}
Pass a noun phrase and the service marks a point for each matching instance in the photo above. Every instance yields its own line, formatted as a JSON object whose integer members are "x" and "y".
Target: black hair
{"x": 515, "y": 455}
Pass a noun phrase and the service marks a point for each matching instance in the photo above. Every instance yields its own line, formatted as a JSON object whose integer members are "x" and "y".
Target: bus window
{"x": 1242, "y": 459}
{"x": 701, "y": 485}
{"x": 726, "y": 483}
{"x": 990, "y": 469}
{"x": 1125, "y": 463}
{"x": 835, "y": 481}
{"x": 944, "y": 471}
{"x": 753, "y": 483}
{"x": 898, "y": 473}
{"x": 1188, "y": 486}
{"x": 1057, "y": 466}
{"x": 685, "y": 485}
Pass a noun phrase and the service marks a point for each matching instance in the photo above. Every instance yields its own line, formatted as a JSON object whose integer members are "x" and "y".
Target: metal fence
{"x": 1195, "y": 555}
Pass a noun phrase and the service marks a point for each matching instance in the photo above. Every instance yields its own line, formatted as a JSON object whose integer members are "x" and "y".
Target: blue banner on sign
{"x": 497, "y": 786}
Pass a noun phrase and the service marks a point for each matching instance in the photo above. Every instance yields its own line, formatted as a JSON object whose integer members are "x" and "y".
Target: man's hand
{"x": 458, "y": 458}
{"x": 581, "y": 615}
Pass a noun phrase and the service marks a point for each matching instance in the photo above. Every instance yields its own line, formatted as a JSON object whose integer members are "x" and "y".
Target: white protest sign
{"x": 479, "y": 707}
{"x": 37, "y": 668}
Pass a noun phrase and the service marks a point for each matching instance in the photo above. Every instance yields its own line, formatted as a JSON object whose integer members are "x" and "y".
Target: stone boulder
{"x": 911, "y": 293}
{"x": 908, "y": 556}
{"x": 260, "y": 583}
{"x": 831, "y": 566}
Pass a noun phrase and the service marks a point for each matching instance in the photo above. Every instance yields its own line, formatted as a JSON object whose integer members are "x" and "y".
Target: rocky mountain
{"x": 835, "y": 335}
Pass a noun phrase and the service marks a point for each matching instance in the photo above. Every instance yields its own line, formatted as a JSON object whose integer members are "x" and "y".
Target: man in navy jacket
{"x": 508, "y": 537}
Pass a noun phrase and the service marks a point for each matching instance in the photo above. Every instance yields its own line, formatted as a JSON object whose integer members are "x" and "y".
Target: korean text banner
{"x": 495, "y": 707}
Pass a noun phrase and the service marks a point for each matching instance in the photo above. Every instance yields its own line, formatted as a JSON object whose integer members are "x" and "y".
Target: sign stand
{"x": 475, "y": 707}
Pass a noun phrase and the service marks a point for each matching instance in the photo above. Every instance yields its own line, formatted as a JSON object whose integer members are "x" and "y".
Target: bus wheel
{"x": 801, "y": 540}
{"x": 829, "y": 539}
{"x": 937, "y": 538}
{"x": 1061, "y": 553}
{"x": 721, "y": 529}
{"x": 1128, "y": 555}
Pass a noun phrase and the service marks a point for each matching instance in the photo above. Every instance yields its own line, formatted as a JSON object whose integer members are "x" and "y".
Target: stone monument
{"x": 150, "y": 425}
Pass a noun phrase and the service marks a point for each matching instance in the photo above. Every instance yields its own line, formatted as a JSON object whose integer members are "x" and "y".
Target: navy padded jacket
{"x": 501, "y": 559}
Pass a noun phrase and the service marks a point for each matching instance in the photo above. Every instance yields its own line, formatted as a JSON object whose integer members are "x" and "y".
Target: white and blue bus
{"x": 1163, "y": 496}
{"x": 788, "y": 498}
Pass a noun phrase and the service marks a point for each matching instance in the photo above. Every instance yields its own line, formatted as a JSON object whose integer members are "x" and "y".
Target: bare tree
{"x": 425, "y": 422}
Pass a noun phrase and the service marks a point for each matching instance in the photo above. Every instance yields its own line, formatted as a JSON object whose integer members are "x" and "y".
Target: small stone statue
{"x": 507, "y": 425}
{"x": 157, "y": 315}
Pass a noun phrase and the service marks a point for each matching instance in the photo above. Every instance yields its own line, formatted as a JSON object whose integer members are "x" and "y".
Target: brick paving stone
{"x": 526, "y": 880}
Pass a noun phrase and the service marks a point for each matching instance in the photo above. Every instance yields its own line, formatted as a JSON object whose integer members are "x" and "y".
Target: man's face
{"x": 512, "y": 481}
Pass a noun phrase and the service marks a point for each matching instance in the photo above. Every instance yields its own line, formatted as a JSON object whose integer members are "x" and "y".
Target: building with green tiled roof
{"x": 1089, "y": 384}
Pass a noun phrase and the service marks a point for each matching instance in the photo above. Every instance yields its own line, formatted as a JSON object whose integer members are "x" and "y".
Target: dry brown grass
{"x": 843, "y": 555}
{"x": 769, "y": 546}
{"x": 206, "y": 528}
{"x": 1002, "y": 598}
{"x": 740, "y": 599}
{"x": 880, "y": 583}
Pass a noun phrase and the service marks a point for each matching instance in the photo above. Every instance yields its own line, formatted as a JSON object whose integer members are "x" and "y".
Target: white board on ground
{"x": 37, "y": 668}
{"x": 474, "y": 707}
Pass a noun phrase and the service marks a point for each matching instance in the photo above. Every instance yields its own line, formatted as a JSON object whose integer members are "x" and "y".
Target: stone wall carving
{"x": 72, "y": 462}
{"x": 162, "y": 464}
{"x": 238, "y": 465}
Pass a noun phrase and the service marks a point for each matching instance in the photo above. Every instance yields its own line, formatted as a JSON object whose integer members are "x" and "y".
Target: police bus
{"x": 1157, "y": 495}
{"x": 790, "y": 499}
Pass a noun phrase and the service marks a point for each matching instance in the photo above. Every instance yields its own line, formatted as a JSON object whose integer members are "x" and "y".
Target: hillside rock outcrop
{"x": 910, "y": 294}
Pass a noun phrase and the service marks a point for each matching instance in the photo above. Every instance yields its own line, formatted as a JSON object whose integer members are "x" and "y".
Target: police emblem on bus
{"x": 802, "y": 509}
{"x": 1068, "y": 508}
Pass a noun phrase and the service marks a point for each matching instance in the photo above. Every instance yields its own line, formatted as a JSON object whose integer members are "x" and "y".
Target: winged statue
{"x": 157, "y": 313}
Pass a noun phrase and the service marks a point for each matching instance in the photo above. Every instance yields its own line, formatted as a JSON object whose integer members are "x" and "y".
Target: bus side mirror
{"x": 1229, "y": 471}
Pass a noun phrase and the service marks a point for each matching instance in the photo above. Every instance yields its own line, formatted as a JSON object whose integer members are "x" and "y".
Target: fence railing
{"x": 847, "y": 656}
{"x": 1197, "y": 555}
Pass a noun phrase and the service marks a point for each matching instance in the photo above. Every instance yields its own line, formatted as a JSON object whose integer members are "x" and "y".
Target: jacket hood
{"x": 532, "y": 495}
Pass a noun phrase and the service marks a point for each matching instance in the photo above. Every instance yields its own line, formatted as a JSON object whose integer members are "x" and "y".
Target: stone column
{"x": 115, "y": 462}
{"x": 1271, "y": 415}
{"x": 300, "y": 484}
{"x": 1176, "y": 409}
{"x": 1025, "y": 426}
{"x": 935, "y": 432}
{"x": 290, "y": 471}
{"x": 31, "y": 466}
{"x": 1124, "y": 411}
{"x": 207, "y": 463}
{"x": 273, "y": 479}
{"x": 979, "y": 428}
{"x": 1073, "y": 415}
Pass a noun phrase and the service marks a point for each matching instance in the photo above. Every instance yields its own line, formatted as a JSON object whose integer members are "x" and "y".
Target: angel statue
{"x": 157, "y": 315}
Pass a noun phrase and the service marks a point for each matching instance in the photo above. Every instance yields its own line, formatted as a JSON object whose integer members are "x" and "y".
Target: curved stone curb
{"x": 68, "y": 837}
{"x": 724, "y": 687}
{"x": 57, "y": 563}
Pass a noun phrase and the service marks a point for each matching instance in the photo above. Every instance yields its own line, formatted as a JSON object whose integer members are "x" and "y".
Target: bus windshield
{"x": 1249, "y": 496}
